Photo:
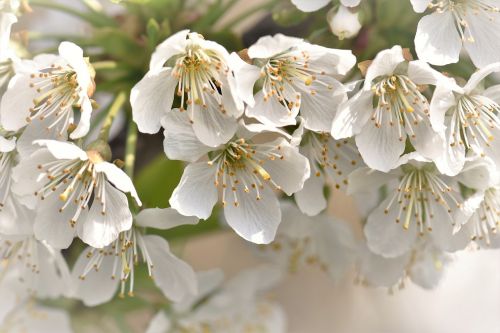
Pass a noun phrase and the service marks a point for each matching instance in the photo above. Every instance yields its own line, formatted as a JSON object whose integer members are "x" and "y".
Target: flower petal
{"x": 174, "y": 277}
{"x": 173, "y": 45}
{"x": 246, "y": 76}
{"x": 272, "y": 112}
{"x": 384, "y": 63}
{"x": 310, "y": 5}
{"x": 437, "y": 40}
{"x": 151, "y": 98}
{"x": 162, "y": 218}
{"x": 420, "y": 5}
{"x": 118, "y": 178}
{"x": 105, "y": 222}
{"x": 180, "y": 142}
{"x": 16, "y": 103}
{"x": 196, "y": 193}
{"x": 268, "y": 46}
{"x": 384, "y": 236}
{"x": 256, "y": 220}
{"x": 311, "y": 199}
{"x": 63, "y": 150}
{"x": 352, "y": 115}
{"x": 381, "y": 146}
{"x": 483, "y": 26}
{"x": 159, "y": 324}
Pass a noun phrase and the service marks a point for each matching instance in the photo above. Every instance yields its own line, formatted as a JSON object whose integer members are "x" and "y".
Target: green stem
{"x": 110, "y": 117}
{"x": 238, "y": 19}
{"x": 94, "y": 18}
{"x": 130, "y": 148}
{"x": 99, "y": 65}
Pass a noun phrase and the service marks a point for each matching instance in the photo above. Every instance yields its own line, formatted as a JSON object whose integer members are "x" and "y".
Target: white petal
{"x": 53, "y": 226}
{"x": 384, "y": 63}
{"x": 84, "y": 123}
{"x": 480, "y": 173}
{"x": 380, "y": 147}
{"x": 211, "y": 126}
{"x": 493, "y": 93}
{"x": 462, "y": 215}
{"x": 452, "y": 161}
{"x": 420, "y": 5}
{"x": 384, "y": 236}
{"x": 254, "y": 220}
{"x": 73, "y": 54}
{"x": 98, "y": 229}
{"x": 365, "y": 180}
{"x": 421, "y": 73}
{"x": 159, "y": 324}
{"x": 162, "y": 218}
{"x": 174, "y": 277}
{"x": 37, "y": 130}
{"x": 151, "y": 98}
{"x": 196, "y": 193}
{"x": 429, "y": 268}
{"x": 437, "y": 40}
{"x": 6, "y": 22}
{"x": 344, "y": 23}
{"x": 16, "y": 103}
{"x": 7, "y": 145}
{"x": 334, "y": 62}
{"x": 180, "y": 142}
{"x": 380, "y": 271}
{"x": 311, "y": 199}
{"x": 272, "y": 112}
{"x": 63, "y": 150}
{"x": 442, "y": 100}
{"x": 427, "y": 141}
{"x": 352, "y": 115}
{"x": 98, "y": 286}
{"x": 310, "y": 5}
{"x": 39, "y": 319}
{"x": 483, "y": 26}
{"x": 268, "y": 46}
{"x": 173, "y": 45}
{"x": 118, "y": 178}
{"x": 246, "y": 76}
{"x": 478, "y": 76}
{"x": 443, "y": 234}
{"x": 291, "y": 171}
{"x": 319, "y": 109}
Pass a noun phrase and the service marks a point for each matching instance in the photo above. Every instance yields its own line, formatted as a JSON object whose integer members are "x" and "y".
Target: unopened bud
{"x": 344, "y": 23}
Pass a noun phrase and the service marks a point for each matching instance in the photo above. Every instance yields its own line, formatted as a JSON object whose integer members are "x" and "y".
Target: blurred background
{"x": 467, "y": 299}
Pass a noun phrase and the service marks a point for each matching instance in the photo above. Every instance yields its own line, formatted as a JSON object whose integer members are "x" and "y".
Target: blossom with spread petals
{"x": 294, "y": 77}
{"x": 390, "y": 108}
{"x": 420, "y": 204}
{"x": 471, "y": 24}
{"x": 469, "y": 118}
{"x": 47, "y": 89}
{"x": 196, "y": 70}
{"x": 74, "y": 192}
{"x": 245, "y": 171}
{"x": 302, "y": 240}
{"x": 98, "y": 273}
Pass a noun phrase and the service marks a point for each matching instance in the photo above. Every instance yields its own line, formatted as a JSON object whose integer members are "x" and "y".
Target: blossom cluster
{"x": 269, "y": 133}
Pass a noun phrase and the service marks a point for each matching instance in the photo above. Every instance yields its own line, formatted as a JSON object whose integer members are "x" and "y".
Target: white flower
{"x": 40, "y": 270}
{"x": 9, "y": 6}
{"x": 343, "y": 22}
{"x": 392, "y": 84}
{"x": 473, "y": 24}
{"x": 331, "y": 162}
{"x": 239, "y": 305}
{"x": 197, "y": 71}
{"x": 314, "y": 5}
{"x": 244, "y": 171}
{"x": 295, "y": 76}
{"x": 480, "y": 211}
{"x": 469, "y": 118}
{"x": 424, "y": 265}
{"x": 46, "y": 89}
{"x": 98, "y": 273}
{"x": 321, "y": 240}
{"x": 72, "y": 191}
{"x": 421, "y": 205}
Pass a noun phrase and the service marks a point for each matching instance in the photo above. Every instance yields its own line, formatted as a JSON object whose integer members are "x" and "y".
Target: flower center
{"x": 77, "y": 183}
{"x": 419, "y": 194}
{"x": 126, "y": 252}
{"x": 472, "y": 121}
{"x": 58, "y": 91}
{"x": 287, "y": 74}
{"x": 399, "y": 103}
{"x": 199, "y": 72}
{"x": 241, "y": 163}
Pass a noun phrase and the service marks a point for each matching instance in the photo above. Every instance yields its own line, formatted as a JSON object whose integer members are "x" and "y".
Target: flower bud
{"x": 343, "y": 23}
